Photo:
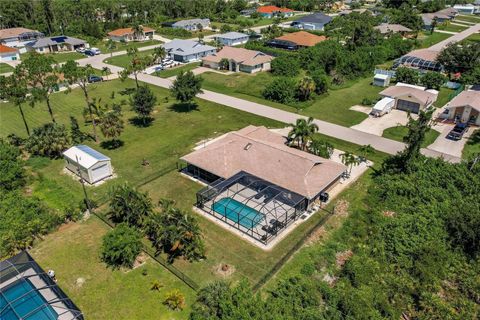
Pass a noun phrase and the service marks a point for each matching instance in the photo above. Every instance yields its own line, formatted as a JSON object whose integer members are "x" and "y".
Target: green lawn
{"x": 397, "y": 133}
{"x": 451, "y": 27}
{"x": 443, "y": 97}
{"x": 468, "y": 18}
{"x": 333, "y": 106}
{"x": 474, "y": 38}
{"x": 176, "y": 70}
{"x": 74, "y": 252}
{"x": 428, "y": 40}
{"x": 127, "y": 45}
{"x": 124, "y": 59}
{"x": 4, "y": 68}
{"x": 62, "y": 56}
{"x": 473, "y": 145}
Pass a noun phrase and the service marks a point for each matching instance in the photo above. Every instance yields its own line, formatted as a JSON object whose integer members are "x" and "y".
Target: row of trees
{"x": 172, "y": 231}
{"x": 431, "y": 79}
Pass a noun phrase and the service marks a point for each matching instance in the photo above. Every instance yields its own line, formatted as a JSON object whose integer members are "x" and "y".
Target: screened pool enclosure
{"x": 257, "y": 208}
{"x": 418, "y": 63}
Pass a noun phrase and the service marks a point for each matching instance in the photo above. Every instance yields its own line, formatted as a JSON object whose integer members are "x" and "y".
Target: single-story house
{"x": 387, "y": 28}
{"x": 274, "y": 11}
{"x": 56, "y": 44}
{"x": 465, "y": 8}
{"x": 18, "y": 37}
{"x": 316, "y": 21}
{"x": 8, "y": 54}
{"x": 256, "y": 183}
{"x": 127, "y": 34}
{"x": 450, "y": 12}
{"x": 301, "y": 39}
{"x": 192, "y": 24}
{"x": 421, "y": 59}
{"x": 381, "y": 80}
{"x": 428, "y": 18}
{"x": 410, "y": 98}
{"x": 188, "y": 50}
{"x": 465, "y": 107}
{"x": 93, "y": 165}
{"x": 239, "y": 59}
{"x": 232, "y": 38}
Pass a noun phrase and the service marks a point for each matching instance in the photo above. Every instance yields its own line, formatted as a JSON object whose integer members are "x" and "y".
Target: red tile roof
{"x": 273, "y": 9}
{"x": 5, "y": 49}
{"x": 124, "y": 31}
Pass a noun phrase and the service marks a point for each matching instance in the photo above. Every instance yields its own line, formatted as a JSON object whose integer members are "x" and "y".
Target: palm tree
{"x": 111, "y": 45}
{"x": 137, "y": 31}
{"x": 321, "y": 148}
{"x": 350, "y": 160}
{"x": 111, "y": 125}
{"x": 302, "y": 131}
{"x": 159, "y": 53}
{"x": 305, "y": 88}
{"x": 365, "y": 151}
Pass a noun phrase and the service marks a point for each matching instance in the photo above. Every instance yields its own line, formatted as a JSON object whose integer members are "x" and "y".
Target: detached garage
{"x": 93, "y": 165}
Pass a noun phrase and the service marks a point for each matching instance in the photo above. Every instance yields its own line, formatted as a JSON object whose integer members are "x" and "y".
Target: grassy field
{"x": 397, "y": 133}
{"x": 427, "y": 39}
{"x": 473, "y": 145}
{"x": 468, "y": 18}
{"x": 126, "y": 45}
{"x": 124, "y": 60}
{"x": 451, "y": 27}
{"x": 74, "y": 252}
{"x": 333, "y": 106}
{"x": 4, "y": 68}
{"x": 443, "y": 97}
{"x": 474, "y": 38}
{"x": 176, "y": 70}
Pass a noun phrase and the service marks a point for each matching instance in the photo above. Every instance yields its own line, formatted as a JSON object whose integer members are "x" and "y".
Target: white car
{"x": 80, "y": 50}
{"x": 95, "y": 50}
{"x": 167, "y": 62}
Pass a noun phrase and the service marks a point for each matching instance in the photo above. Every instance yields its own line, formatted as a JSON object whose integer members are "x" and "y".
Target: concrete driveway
{"x": 377, "y": 125}
{"x": 444, "y": 145}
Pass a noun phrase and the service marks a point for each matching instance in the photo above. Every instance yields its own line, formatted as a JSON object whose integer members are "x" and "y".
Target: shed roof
{"x": 263, "y": 153}
{"x": 302, "y": 38}
{"x": 87, "y": 157}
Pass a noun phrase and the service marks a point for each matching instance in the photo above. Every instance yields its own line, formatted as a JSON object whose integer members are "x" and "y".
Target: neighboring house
{"x": 127, "y": 34}
{"x": 232, "y": 38}
{"x": 192, "y": 24}
{"x": 465, "y": 8}
{"x": 8, "y": 54}
{"x": 316, "y": 21}
{"x": 421, "y": 59}
{"x": 410, "y": 98}
{"x": 18, "y": 37}
{"x": 428, "y": 19}
{"x": 239, "y": 59}
{"x": 465, "y": 107}
{"x": 56, "y": 44}
{"x": 274, "y": 11}
{"x": 450, "y": 12}
{"x": 387, "y": 28}
{"x": 89, "y": 163}
{"x": 300, "y": 39}
{"x": 187, "y": 50}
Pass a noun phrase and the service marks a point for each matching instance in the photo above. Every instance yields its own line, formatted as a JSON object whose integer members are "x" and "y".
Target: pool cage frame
{"x": 16, "y": 267}
{"x": 280, "y": 206}
{"x": 418, "y": 63}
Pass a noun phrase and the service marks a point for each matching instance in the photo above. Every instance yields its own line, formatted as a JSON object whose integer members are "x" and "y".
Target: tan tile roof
{"x": 466, "y": 98}
{"x": 388, "y": 27}
{"x": 302, "y": 38}
{"x": 421, "y": 96}
{"x": 5, "y": 49}
{"x": 425, "y": 54}
{"x": 13, "y": 32}
{"x": 124, "y": 31}
{"x": 262, "y": 153}
{"x": 239, "y": 55}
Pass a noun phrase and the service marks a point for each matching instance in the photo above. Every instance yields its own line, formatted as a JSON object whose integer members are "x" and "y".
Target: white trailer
{"x": 382, "y": 107}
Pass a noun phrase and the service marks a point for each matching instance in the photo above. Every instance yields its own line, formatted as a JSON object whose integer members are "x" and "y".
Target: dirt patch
{"x": 139, "y": 261}
{"x": 388, "y": 214}
{"x": 341, "y": 208}
{"x": 224, "y": 270}
{"x": 80, "y": 282}
{"x": 66, "y": 226}
{"x": 316, "y": 236}
{"x": 330, "y": 280}
{"x": 342, "y": 257}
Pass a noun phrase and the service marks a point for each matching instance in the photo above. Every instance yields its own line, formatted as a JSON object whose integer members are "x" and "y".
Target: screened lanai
{"x": 252, "y": 205}
{"x": 27, "y": 292}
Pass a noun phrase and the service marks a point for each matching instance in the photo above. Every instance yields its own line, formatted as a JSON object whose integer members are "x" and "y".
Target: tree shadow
{"x": 111, "y": 144}
{"x": 128, "y": 91}
{"x": 474, "y": 138}
{"x": 184, "y": 107}
{"x": 141, "y": 122}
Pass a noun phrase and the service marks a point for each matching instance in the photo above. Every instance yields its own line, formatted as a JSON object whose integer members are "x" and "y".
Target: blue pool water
{"x": 231, "y": 209}
{"x": 26, "y": 305}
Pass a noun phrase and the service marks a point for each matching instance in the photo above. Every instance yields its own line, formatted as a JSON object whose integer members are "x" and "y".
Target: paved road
{"x": 457, "y": 37}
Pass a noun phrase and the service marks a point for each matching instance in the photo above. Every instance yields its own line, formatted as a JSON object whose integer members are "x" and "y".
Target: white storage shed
{"x": 93, "y": 165}
{"x": 381, "y": 80}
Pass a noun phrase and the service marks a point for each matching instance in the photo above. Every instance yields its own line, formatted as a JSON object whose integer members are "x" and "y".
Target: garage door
{"x": 408, "y": 106}
{"x": 100, "y": 172}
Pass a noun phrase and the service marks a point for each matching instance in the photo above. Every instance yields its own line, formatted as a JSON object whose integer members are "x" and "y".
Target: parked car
{"x": 81, "y": 50}
{"x": 93, "y": 78}
{"x": 89, "y": 52}
{"x": 458, "y": 131}
{"x": 95, "y": 50}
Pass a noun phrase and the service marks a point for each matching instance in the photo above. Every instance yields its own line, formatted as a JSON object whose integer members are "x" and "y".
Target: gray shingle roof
{"x": 317, "y": 17}
{"x": 51, "y": 41}
{"x": 183, "y": 23}
{"x": 232, "y": 35}
{"x": 186, "y": 47}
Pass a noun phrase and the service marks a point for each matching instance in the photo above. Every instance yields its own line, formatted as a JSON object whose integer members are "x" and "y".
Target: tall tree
{"x": 143, "y": 103}
{"x": 302, "y": 131}
{"x": 186, "y": 86}
{"x": 14, "y": 88}
{"x": 350, "y": 160}
{"x": 42, "y": 77}
{"x": 129, "y": 205}
{"x": 111, "y": 125}
{"x": 78, "y": 75}
{"x": 111, "y": 45}
{"x": 48, "y": 14}
{"x": 159, "y": 53}
{"x": 137, "y": 31}
{"x": 137, "y": 64}
{"x": 417, "y": 128}
{"x": 321, "y": 148}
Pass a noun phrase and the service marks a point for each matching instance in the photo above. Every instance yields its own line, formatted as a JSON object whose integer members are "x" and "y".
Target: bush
{"x": 50, "y": 140}
{"x": 121, "y": 246}
{"x": 175, "y": 300}
{"x": 433, "y": 80}
{"x": 174, "y": 32}
{"x": 287, "y": 66}
{"x": 129, "y": 205}
{"x": 12, "y": 174}
{"x": 406, "y": 75}
{"x": 322, "y": 81}
{"x": 280, "y": 90}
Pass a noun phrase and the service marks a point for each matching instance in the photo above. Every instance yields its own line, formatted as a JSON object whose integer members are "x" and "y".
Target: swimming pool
{"x": 231, "y": 209}
{"x": 27, "y": 303}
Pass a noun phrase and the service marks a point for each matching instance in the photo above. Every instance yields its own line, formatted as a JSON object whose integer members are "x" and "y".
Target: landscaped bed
{"x": 171, "y": 72}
